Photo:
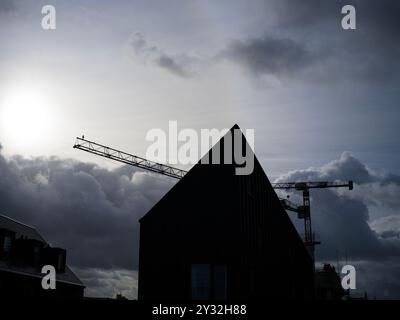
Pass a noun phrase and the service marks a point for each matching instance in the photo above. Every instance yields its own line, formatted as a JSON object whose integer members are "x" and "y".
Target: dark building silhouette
{"x": 218, "y": 235}
{"x": 23, "y": 253}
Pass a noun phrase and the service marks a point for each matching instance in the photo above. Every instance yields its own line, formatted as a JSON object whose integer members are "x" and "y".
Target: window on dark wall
{"x": 200, "y": 281}
{"x": 208, "y": 282}
{"x": 7, "y": 245}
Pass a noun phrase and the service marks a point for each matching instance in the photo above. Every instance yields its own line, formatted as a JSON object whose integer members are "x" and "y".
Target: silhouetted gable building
{"x": 23, "y": 253}
{"x": 218, "y": 235}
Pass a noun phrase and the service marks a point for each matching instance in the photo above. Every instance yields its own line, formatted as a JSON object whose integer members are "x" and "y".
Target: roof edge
{"x": 16, "y": 221}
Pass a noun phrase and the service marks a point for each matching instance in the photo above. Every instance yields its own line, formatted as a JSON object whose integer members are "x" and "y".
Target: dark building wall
{"x": 273, "y": 257}
{"x": 213, "y": 216}
{"x": 187, "y": 226}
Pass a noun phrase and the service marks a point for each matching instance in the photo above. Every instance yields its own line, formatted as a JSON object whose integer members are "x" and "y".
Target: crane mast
{"x": 303, "y": 212}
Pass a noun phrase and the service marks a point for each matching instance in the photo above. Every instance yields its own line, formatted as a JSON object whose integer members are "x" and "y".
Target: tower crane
{"x": 303, "y": 211}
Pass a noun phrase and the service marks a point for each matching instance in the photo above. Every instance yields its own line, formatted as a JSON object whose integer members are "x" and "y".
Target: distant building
{"x": 218, "y": 235}
{"x": 328, "y": 284}
{"x": 23, "y": 253}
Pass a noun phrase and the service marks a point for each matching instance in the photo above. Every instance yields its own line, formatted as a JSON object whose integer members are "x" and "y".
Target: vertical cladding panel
{"x": 270, "y": 241}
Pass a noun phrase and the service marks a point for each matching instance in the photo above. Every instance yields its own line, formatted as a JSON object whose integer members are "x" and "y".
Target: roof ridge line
{"x": 19, "y": 222}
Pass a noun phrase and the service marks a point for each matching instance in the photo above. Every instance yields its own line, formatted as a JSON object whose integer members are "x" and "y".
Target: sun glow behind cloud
{"x": 27, "y": 117}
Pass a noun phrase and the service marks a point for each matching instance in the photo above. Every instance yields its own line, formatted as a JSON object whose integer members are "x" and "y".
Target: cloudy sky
{"x": 323, "y": 102}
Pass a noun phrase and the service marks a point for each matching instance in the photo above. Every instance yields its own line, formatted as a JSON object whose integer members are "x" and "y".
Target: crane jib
{"x": 303, "y": 211}
{"x": 130, "y": 159}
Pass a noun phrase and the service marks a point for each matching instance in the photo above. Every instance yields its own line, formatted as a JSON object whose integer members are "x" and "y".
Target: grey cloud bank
{"x": 306, "y": 43}
{"x": 93, "y": 212}
{"x": 346, "y": 227}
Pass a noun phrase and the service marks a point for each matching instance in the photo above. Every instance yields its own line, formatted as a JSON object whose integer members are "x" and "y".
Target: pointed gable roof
{"x": 204, "y": 174}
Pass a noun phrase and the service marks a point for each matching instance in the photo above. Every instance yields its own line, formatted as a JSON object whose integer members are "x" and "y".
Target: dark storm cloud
{"x": 341, "y": 217}
{"x": 379, "y": 280}
{"x": 109, "y": 283}
{"x": 179, "y": 65}
{"x": 170, "y": 64}
{"x": 310, "y": 35}
{"x": 304, "y": 41}
{"x": 367, "y": 54}
{"x": 7, "y": 5}
{"x": 388, "y": 227}
{"x": 390, "y": 234}
{"x": 92, "y": 212}
{"x": 345, "y": 227}
{"x": 268, "y": 55}
{"x": 381, "y": 16}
